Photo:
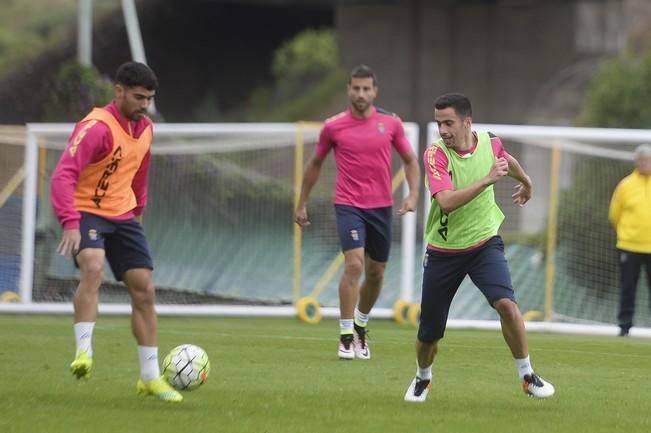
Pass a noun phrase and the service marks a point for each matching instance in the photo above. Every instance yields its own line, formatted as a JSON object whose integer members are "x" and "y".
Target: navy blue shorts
{"x": 444, "y": 272}
{"x": 123, "y": 242}
{"x": 365, "y": 228}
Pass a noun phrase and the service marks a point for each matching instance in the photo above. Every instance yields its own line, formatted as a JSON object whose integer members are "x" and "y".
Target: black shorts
{"x": 365, "y": 228}
{"x": 444, "y": 272}
{"x": 123, "y": 242}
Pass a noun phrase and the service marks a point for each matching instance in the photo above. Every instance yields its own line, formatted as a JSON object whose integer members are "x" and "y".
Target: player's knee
{"x": 92, "y": 270}
{"x": 429, "y": 336}
{"x": 432, "y": 346}
{"x": 144, "y": 295}
{"x": 375, "y": 274}
{"x": 507, "y": 309}
{"x": 354, "y": 267}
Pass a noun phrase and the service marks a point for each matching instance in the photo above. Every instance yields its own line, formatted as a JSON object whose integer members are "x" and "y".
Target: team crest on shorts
{"x": 354, "y": 234}
{"x": 380, "y": 127}
{"x": 92, "y": 234}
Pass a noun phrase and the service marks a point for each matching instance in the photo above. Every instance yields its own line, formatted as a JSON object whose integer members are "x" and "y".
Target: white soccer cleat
{"x": 360, "y": 343}
{"x": 418, "y": 390}
{"x": 536, "y": 386}
{"x": 346, "y": 349}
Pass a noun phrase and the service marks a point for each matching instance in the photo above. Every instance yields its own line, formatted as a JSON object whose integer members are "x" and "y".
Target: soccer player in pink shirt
{"x": 362, "y": 138}
{"x": 99, "y": 193}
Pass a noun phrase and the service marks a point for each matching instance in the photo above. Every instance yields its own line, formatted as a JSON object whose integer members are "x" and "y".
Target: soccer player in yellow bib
{"x": 462, "y": 239}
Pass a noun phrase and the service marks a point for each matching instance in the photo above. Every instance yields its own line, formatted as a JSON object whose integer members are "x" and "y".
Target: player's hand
{"x": 498, "y": 170}
{"x": 300, "y": 216}
{"x": 69, "y": 242}
{"x": 408, "y": 205}
{"x": 522, "y": 194}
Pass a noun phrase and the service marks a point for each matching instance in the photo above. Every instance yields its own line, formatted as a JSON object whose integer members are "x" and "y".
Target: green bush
{"x": 616, "y": 97}
{"x": 311, "y": 53}
{"x": 306, "y": 73}
{"x": 583, "y": 225}
{"x": 75, "y": 90}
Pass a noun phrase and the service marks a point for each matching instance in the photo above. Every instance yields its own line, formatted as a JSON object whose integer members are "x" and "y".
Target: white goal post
{"x": 235, "y": 183}
{"x": 258, "y": 156}
{"x": 560, "y": 246}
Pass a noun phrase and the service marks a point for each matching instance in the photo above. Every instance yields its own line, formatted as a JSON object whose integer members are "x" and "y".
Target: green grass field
{"x": 279, "y": 375}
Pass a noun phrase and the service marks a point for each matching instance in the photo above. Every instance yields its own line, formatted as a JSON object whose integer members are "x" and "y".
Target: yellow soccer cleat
{"x": 160, "y": 389}
{"x": 82, "y": 365}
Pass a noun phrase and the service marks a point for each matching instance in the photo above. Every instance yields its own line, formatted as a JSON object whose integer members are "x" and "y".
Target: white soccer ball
{"x": 186, "y": 367}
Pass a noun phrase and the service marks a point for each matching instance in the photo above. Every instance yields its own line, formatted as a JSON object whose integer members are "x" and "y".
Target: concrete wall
{"x": 508, "y": 56}
{"x": 519, "y": 61}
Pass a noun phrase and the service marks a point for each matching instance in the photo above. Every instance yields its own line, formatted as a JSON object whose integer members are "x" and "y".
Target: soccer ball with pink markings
{"x": 186, "y": 367}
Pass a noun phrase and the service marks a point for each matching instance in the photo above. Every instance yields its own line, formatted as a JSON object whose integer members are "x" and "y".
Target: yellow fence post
{"x": 298, "y": 180}
{"x": 552, "y": 228}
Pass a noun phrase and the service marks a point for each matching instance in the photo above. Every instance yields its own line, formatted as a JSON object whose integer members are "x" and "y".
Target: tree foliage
{"x": 617, "y": 97}
{"x": 311, "y": 53}
{"x": 75, "y": 90}
{"x": 306, "y": 73}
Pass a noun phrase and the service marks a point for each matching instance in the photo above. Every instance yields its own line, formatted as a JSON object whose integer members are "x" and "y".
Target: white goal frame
{"x": 34, "y": 130}
{"x": 557, "y": 138}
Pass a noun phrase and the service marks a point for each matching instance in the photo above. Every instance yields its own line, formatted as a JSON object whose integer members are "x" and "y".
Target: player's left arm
{"x": 524, "y": 189}
{"x": 139, "y": 186}
{"x": 410, "y": 165}
{"x": 412, "y": 174}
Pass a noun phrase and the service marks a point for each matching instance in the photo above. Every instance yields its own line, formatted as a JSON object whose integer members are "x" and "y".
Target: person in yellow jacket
{"x": 630, "y": 215}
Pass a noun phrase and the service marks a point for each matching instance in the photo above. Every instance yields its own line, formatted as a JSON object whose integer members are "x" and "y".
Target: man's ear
{"x": 118, "y": 91}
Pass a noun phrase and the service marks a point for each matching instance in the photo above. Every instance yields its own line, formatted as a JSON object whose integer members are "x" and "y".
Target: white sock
{"x": 424, "y": 373}
{"x": 524, "y": 366}
{"x": 345, "y": 326}
{"x": 361, "y": 319}
{"x": 84, "y": 337}
{"x": 149, "y": 369}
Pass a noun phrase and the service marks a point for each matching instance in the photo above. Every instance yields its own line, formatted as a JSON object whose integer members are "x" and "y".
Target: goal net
{"x": 560, "y": 246}
{"x": 11, "y": 177}
{"x": 219, "y": 223}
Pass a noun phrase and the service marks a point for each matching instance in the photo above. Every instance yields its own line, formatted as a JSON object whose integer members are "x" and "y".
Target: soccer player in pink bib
{"x": 362, "y": 138}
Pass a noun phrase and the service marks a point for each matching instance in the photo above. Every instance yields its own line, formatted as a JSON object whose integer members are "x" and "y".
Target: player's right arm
{"x": 90, "y": 142}
{"x": 311, "y": 174}
{"x": 450, "y": 200}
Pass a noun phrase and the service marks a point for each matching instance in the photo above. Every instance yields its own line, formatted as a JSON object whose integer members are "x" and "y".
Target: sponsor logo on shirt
{"x": 380, "y": 127}
{"x": 80, "y": 136}
{"x": 103, "y": 182}
{"x": 431, "y": 162}
{"x": 443, "y": 230}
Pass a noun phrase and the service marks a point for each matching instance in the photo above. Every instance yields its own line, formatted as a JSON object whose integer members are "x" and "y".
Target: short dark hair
{"x": 134, "y": 74}
{"x": 363, "y": 71}
{"x": 458, "y": 101}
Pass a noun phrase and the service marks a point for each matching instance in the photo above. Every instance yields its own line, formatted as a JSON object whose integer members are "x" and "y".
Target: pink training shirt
{"x": 438, "y": 176}
{"x": 93, "y": 147}
{"x": 363, "y": 156}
